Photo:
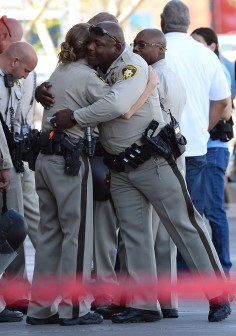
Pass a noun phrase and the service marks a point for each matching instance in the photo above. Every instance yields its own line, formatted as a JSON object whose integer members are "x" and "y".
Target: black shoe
{"x": 134, "y": 315}
{"x": 101, "y": 301}
{"x": 219, "y": 309}
{"x": 54, "y": 319}
{"x": 68, "y": 321}
{"x": 170, "y": 313}
{"x": 109, "y": 311}
{"x": 10, "y": 316}
{"x": 20, "y": 305}
{"x": 89, "y": 318}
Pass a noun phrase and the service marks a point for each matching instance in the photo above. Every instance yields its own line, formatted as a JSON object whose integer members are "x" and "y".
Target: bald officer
{"x": 151, "y": 45}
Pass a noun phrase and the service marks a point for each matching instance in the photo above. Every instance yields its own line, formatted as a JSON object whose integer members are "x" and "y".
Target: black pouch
{"x": 46, "y": 143}
{"x": 113, "y": 162}
{"x": 33, "y": 148}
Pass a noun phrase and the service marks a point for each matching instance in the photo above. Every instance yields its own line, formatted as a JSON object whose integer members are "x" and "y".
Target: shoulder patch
{"x": 129, "y": 71}
{"x": 102, "y": 79}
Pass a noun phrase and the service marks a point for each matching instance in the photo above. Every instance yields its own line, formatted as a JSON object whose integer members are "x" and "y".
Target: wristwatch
{"x": 72, "y": 118}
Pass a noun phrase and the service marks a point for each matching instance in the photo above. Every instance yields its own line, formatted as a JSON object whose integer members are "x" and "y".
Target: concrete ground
{"x": 192, "y": 320}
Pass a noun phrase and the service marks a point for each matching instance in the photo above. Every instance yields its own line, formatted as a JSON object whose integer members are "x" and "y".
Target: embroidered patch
{"x": 114, "y": 77}
{"x": 129, "y": 71}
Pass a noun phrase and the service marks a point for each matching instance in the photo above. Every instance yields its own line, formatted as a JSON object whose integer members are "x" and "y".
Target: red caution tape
{"x": 188, "y": 286}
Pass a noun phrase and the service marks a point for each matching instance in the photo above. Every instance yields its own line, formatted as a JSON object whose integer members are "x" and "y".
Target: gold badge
{"x": 114, "y": 77}
{"x": 129, "y": 71}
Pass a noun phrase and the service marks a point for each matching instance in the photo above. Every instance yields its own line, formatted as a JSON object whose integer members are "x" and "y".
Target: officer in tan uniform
{"x": 60, "y": 187}
{"x": 15, "y": 62}
{"x": 156, "y": 180}
{"x": 6, "y": 315}
{"x": 30, "y": 199}
{"x": 10, "y": 102}
{"x": 5, "y": 162}
{"x": 151, "y": 44}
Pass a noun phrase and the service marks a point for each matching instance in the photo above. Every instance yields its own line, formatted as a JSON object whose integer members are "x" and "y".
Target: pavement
{"x": 191, "y": 322}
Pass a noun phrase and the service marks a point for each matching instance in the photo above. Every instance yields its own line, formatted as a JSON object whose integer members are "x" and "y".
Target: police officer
{"x": 7, "y": 315}
{"x": 63, "y": 183}
{"x": 151, "y": 44}
{"x": 156, "y": 180}
{"x": 17, "y": 269}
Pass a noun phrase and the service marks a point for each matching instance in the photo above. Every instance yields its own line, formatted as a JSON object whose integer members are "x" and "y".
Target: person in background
{"x": 16, "y": 62}
{"x": 217, "y": 162}
{"x": 17, "y": 269}
{"x": 207, "y": 93}
{"x": 151, "y": 45}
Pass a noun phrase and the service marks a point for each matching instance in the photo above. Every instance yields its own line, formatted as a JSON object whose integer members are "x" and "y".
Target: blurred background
{"x": 46, "y": 22}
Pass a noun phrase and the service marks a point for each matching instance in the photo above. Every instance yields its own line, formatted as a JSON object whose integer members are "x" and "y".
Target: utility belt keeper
{"x": 59, "y": 143}
{"x": 168, "y": 143}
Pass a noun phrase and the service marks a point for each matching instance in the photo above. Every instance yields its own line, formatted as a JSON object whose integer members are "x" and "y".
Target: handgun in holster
{"x": 156, "y": 143}
{"x": 72, "y": 152}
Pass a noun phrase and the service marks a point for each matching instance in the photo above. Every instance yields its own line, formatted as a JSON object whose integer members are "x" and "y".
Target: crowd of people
{"x": 143, "y": 124}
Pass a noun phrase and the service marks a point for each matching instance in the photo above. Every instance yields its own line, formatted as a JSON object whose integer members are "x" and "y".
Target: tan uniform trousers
{"x": 31, "y": 213}
{"x": 162, "y": 185}
{"x": 59, "y": 234}
{"x": 165, "y": 255}
{"x": 105, "y": 242}
{"x": 16, "y": 270}
{"x": 166, "y": 251}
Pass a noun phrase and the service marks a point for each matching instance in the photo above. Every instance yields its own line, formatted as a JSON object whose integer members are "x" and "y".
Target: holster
{"x": 168, "y": 143}
{"x": 223, "y": 130}
{"x": 60, "y": 143}
{"x": 72, "y": 152}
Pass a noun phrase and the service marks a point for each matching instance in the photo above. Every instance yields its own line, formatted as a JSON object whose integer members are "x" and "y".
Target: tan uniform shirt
{"x": 8, "y": 101}
{"x": 28, "y": 100}
{"x": 5, "y": 158}
{"x": 171, "y": 90}
{"x": 172, "y": 96}
{"x": 128, "y": 76}
{"x": 81, "y": 86}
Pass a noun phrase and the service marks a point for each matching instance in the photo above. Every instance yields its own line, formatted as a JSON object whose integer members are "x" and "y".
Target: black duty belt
{"x": 58, "y": 143}
{"x": 132, "y": 156}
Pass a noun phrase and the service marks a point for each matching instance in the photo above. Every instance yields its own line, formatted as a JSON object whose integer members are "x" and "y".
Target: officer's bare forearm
{"x": 228, "y": 109}
{"x": 217, "y": 108}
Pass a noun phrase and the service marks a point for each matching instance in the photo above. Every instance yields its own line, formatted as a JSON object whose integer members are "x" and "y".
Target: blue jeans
{"x": 217, "y": 162}
{"x": 195, "y": 178}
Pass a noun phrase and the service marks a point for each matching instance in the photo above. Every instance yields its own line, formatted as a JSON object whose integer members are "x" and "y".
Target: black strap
{"x": 4, "y": 198}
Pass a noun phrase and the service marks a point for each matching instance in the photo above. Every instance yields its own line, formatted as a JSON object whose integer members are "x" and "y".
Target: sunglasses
{"x": 3, "y": 22}
{"x": 101, "y": 32}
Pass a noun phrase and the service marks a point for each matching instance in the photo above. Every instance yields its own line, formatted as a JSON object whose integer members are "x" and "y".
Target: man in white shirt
{"x": 206, "y": 88}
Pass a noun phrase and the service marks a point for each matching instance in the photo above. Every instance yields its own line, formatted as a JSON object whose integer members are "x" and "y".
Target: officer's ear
{"x": 118, "y": 47}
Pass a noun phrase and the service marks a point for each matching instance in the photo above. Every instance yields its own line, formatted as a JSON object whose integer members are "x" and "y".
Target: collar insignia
{"x": 114, "y": 77}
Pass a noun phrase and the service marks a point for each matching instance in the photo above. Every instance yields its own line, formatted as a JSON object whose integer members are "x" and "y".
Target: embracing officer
{"x": 152, "y": 176}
